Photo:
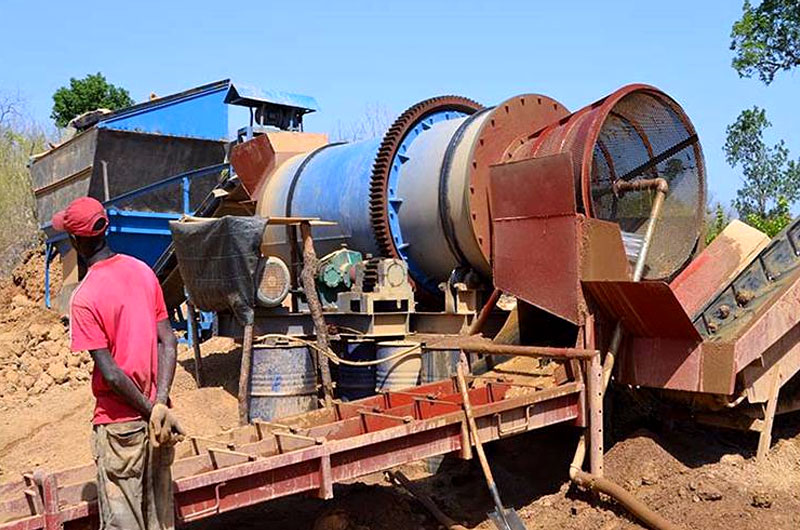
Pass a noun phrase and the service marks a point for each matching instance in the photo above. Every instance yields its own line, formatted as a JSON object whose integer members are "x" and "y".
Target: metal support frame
{"x": 185, "y": 180}
{"x": 765, "y": 437}
{"x": 244, "y": 375}
{"x": 194, "y": 334}
{"x": 256, "y": 463}
{"x": 594, "y": 401}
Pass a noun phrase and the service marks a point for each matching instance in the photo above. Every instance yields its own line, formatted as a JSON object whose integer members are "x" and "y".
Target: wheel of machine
{"x": 380, "y": 194}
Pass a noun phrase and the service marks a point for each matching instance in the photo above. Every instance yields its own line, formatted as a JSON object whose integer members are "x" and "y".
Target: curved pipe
{"x": 576, "y": 473}
{"x": 635, "y": 506}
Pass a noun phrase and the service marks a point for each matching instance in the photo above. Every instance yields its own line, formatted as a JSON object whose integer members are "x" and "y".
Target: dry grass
{"x": 19, "y": 139}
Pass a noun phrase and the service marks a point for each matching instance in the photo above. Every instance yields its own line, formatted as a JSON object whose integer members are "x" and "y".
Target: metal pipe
{"x": 486, "y": 310}
{"x": 661, "y": 187}
{"x": 594, "y": 481}
{"x": 621, "y": 187}
{"x": 594, "y": 394}
{"x": 491, "y": 348}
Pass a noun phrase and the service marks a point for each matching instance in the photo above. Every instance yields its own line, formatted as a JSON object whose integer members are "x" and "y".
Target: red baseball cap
{"x": 81, "y": 218}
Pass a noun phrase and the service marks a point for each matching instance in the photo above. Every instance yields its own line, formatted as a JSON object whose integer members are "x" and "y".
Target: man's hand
{"x": 164, "y": 426}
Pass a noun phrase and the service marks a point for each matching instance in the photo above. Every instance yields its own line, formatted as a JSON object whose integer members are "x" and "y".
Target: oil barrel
{"x": 356, "y": 382}
{"x": 282, "y": 381}
{"x": 402, "y": 372}
{"x": 438, "y": 364}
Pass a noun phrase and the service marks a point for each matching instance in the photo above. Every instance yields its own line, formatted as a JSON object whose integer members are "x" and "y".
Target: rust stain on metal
{"x": 636, "y": 133}
{"x": 646, "y": 309}
{"x": 602, "y": 252}
{"x": 536, "y": 233}
{"x": 730, "y": 252}
{"x": 505, "y": 129}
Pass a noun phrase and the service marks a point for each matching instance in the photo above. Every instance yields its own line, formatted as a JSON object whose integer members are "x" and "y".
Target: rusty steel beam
{"x": 348, "y": 447}
{"x": 491, "y": 348}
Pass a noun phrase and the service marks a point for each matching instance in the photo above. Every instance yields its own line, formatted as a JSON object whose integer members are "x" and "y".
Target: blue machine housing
{"x": 347, "y": 168}
{"x": 334, "y": 182}
{"x": 196, "y": 113}
{"x": 144, "y": 235}
{"x": 395, "y": 202}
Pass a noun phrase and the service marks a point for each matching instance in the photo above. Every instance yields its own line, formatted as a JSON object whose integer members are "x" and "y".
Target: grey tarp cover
{"x": 218, "y": 259}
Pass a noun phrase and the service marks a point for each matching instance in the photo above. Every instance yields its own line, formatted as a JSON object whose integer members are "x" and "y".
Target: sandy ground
{"x": 696, "y": 477}
{"x": 52, "y": 430}
{"x": 699, "y": 478}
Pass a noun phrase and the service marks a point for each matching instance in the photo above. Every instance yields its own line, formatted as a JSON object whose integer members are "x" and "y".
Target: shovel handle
{"x": 473, "y": 427}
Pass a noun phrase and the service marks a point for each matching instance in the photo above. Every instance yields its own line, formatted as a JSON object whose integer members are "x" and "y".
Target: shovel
{"x": 503, "y": 518}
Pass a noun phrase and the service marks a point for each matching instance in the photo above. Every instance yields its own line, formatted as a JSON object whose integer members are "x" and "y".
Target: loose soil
{"x": 699, "y": 478}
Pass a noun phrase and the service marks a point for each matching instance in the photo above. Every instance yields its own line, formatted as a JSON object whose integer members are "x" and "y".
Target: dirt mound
{"x": 52, "y": 429}
{"x": 640, "y": 460}
{"x": 34, "y": 341}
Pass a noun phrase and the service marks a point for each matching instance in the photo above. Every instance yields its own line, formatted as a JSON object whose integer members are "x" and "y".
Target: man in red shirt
{"x": 117, "y": 313}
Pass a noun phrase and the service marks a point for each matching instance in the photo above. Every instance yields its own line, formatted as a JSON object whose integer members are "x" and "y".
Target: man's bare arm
{"x": 167, "y": 357}
{"x": 120, "y": 382}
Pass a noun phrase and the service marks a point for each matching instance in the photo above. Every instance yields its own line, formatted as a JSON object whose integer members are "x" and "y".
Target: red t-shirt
{"x": 117, "y": 306}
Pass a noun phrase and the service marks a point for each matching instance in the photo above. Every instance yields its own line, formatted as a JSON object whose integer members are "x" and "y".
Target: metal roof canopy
{"x": 198, "y": 112}
{"x": 272, "y": 107}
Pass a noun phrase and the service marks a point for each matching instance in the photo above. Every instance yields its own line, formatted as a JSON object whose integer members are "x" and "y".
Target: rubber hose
{"x": 647, "y": 516}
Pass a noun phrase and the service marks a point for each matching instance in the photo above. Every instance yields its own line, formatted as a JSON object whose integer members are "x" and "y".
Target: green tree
{"x": 717, "y": 218}
{"x": 20, "y": 138}
{"x": 771, "y": 182}
{"x": 90, "y": 93}
{"x": 778, "y": 218}
{"x": 766, "y": 39}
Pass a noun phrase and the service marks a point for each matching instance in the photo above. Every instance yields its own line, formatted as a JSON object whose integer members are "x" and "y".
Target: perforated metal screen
{"x": 646, "y": 135}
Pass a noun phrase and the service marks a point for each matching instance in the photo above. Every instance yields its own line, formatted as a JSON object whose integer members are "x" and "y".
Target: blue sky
{"x": 350, "y": 54}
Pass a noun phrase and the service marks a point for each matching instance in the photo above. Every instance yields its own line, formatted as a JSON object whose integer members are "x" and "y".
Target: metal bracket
{"x": 208, "y": 511}
{"x": 522, "y": 427}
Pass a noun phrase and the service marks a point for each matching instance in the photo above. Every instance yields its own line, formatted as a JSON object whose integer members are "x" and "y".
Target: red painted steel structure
{"x": 636, "y": 132}
{"x": 329, "y": 446}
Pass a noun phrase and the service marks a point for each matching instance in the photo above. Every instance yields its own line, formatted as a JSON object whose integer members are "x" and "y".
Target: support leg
{"x": 244, "y": 375}
{"x": 194, "y": 335}
{"x": 765, "y": 438}
{"x": 49, "y": 491}
{"x": 315, "y": 308}
{"x": 594, "y": 391}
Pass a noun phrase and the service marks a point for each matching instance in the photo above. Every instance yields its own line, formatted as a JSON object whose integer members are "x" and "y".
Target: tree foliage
{"x": 19, "y": 139}
{"x": 717, "y": 218}
{"x": 766, "y": 39}
{"x": 90, "y": 93}
{"x": 771, "y": 181}
{"x": 778, "y": 218}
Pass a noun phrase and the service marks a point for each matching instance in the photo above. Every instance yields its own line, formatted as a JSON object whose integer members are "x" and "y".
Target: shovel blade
{"x": 508, "y": 520}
